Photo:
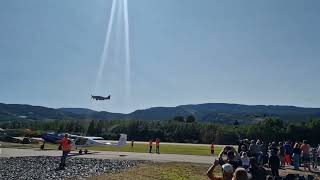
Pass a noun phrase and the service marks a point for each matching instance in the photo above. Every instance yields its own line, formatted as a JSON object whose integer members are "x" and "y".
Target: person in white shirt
{"x": 245, "y": 160}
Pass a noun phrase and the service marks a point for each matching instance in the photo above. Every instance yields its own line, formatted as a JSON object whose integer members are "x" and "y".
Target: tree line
{"x": 178, "y": 129}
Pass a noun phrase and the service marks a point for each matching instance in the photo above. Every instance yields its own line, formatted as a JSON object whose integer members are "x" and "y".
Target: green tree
{"x": 190, "y": 119}
{"x": 91, "y": 129}
{"x": 178, "y": 118}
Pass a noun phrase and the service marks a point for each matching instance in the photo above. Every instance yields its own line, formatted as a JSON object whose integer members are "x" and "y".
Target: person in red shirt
{"x": 305, "y": 149}
{"x": 150, "y": 146}
{"x": 66, "y": 148}
{"x": 158, "y": 146}
{"x": 212, "y": 149}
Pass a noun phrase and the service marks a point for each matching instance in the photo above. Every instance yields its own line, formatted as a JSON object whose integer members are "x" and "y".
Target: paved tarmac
{"x": 12, "y": 152}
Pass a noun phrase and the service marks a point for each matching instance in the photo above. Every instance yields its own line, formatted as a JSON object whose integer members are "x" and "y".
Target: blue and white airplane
{"x": 82, "y": 142}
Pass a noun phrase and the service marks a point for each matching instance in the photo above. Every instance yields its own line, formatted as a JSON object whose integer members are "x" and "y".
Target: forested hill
{"x": 210, "y": 112}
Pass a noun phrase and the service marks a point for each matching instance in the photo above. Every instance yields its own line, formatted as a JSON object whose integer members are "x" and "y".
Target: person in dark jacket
{"x": 257, "y": 172}
{"x": 274, "y": 164}
{"x": 296, "y": 156}
{"x": 281, "y": 154}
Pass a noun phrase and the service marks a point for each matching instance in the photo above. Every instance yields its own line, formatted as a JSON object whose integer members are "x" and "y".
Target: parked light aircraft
{"x": 82, "y": 142}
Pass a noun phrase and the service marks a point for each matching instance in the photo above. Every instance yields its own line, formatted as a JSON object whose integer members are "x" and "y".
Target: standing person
{"x": 158, "y": 146}
{"x": 252, "y": 149}
{"x": 244, "y": 148}
{"x": 212, "y": 149}
{"x": 245, "y": 160}
{"x": 259, "y": 152}
{"x": 264, "y": 150}
{"x": 318, "y": 157}
{"x": 274, "y": 164}
{"x": 305, "y": 149}
{"x": 314, "y": 157}
{"x": 241, "y": 143}
{"x": 281, "y": 154}
{"x": 66, "y": 148}
{"x": 150, "y": 146}
{"x": 132, "y": 142}
{"x": 296, "y": 156}
{"x": 287, "y": 153}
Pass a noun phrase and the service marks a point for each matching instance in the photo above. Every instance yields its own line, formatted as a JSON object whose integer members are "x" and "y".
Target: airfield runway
{"x": 12, "y": 152}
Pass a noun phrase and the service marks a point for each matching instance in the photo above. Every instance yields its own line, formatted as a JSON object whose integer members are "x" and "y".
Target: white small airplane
{"x": 82, "y": 142}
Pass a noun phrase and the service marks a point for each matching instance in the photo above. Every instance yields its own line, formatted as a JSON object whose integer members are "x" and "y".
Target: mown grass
{"x": 164, "y": 149}
{"x": 163, "y": 171}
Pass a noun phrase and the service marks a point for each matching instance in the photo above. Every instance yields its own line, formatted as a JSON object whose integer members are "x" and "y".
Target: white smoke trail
{"x": 127, "y": 50}
{"x": 106, "y": 47}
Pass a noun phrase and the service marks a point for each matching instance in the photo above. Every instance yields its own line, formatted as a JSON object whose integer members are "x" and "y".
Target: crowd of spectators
{"x": 252, "y": 159}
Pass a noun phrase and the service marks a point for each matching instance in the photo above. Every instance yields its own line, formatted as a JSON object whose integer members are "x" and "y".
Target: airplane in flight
{"x": 82, "y": 142}
{"x": 100, "y": 98}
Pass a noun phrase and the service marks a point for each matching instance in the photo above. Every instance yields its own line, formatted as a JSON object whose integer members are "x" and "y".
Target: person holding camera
{"x": 232, "y": 155}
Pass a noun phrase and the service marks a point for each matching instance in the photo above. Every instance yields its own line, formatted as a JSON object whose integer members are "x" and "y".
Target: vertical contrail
{"x": 127, "y": 50}
{"x": 106, "y": 46}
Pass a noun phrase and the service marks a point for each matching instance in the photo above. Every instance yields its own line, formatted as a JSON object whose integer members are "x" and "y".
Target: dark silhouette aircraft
{"x": 100, "y": 98}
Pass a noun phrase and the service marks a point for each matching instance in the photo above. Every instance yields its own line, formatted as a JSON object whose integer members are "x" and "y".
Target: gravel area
{"x": 44, "y": 167}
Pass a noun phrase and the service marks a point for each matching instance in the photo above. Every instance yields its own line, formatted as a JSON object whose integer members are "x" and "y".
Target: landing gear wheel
{"x": 86, "y": 151}
{"x": 80, "y": 151}
{"x": 42, "y": 146}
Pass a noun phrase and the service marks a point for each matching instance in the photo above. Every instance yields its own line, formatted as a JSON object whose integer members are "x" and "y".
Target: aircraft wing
{"x": 94, "y": 138}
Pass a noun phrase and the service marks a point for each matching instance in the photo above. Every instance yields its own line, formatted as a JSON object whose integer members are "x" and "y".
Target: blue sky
{"x": 182, "y": 52}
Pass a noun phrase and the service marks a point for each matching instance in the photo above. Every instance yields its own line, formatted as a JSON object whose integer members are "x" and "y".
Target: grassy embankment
{"x": 163, "y": 171}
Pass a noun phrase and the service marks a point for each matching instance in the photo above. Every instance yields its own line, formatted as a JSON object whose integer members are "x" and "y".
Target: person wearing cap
{"x": 227, "y": 171}
{"x": 66, "y": 148}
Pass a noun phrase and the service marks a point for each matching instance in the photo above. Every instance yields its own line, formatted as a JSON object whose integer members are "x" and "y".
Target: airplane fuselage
{"x": 100, "y": 98}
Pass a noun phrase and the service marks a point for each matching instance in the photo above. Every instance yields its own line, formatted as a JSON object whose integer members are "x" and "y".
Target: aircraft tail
{"x": 122, "y": 140}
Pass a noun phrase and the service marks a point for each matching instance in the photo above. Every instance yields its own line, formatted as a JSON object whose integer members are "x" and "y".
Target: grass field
{"x": 138, "y": 147}
{"x": 164, "y": 149}
{"x": 163, "y": 171}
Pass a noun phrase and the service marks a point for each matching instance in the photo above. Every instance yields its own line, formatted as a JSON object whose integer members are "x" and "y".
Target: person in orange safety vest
{"x": 66, "y": 148}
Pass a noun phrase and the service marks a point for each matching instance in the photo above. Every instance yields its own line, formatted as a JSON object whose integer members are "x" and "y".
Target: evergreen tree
{"x": 91, "y": 129}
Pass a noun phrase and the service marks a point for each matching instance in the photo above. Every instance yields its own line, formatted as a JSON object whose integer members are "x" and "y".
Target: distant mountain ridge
{"x": 209, "y": 112}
